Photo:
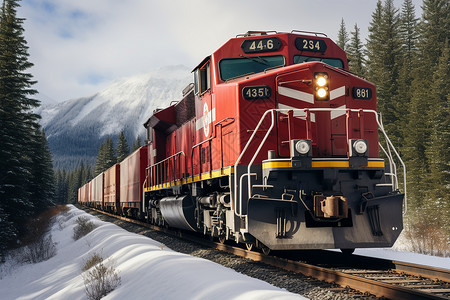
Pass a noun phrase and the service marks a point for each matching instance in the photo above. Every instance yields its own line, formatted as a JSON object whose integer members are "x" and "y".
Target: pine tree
{"x": 101, "y": 160}
{"x": 123, "y": 150}
{"x": 434, "y": 29}
{"x": 438, "y": 143}
{"x": 342, "y": 36}
{"x": 409, "y": 56}
{"x": 384, "y": 48}
{"x": 106, "y": 157}
{"x": 137, "y": 144}
{"x": 61, "y": 186}
{"x": 421, "y": 131}
{"x": 7, "y": 230}
{"x": 86, "y": 173}
{"x": 74, "y": 184}
{"x": 355, "y": 53}
{"x": 110, "y": 154}
{"x": 18, "y": 123}
{"x": 374, "y": 46}
{"x": 408, "y": 32}
{"x": 43, "y": 178}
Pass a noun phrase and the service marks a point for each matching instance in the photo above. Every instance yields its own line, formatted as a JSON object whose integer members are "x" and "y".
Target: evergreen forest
{"x": 407, "y": 58}
{"x": 405, "y": 55}
{"x": 26, "y": 169}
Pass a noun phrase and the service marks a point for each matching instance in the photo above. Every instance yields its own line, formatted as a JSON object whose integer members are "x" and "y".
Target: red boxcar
{"x": 84, "y": 194}
{"x": 132, "y": 177}
{"x": 112, "y": 189}
{"x": 79, "y": 195}
{"x": 97, "y": 191}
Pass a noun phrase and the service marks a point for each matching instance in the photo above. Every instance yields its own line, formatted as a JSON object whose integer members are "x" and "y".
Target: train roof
{"x": 263, "y": 43}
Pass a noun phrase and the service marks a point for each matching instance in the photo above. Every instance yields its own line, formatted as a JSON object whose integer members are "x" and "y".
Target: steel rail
{"x": 377, "y": 288}
{"x": 423, "y": 271}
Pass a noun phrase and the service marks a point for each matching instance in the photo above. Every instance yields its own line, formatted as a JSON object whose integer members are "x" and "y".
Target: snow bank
{"x": 403, "y": 256}
{"x": 147, "y": 269}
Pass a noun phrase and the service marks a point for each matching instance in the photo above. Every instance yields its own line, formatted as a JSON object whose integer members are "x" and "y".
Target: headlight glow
{"x": 321, "y": 86}
{"x": 302, "y": 147}
{"x": 321, "y": 81}
{"x": 322, "y": 92}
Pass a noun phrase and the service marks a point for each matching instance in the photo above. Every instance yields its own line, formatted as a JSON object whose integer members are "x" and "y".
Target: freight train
{"x": 275, "y": 145}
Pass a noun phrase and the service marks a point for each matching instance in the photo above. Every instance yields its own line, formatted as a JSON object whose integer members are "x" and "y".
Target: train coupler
{"x": 330, "y": 207}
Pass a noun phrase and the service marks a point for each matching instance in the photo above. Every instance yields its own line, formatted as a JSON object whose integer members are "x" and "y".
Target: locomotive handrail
{"x": 392, "y": 167}
{"x": 166, "y": 159}
{"x": 309, "y": 32}
{"x": 159, "y": 162}
{"x": 306, "y": 111}
{"x": 240, "y": 157}
{"x": 389, "y": 143}
{"x": 143, "y": 192}
{"x": 252, "y": 32}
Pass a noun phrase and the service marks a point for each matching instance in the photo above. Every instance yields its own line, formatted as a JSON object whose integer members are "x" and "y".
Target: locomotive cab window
{"x": 335, "y": 62}
{"x": 246, "y": 65}
{"x": 202, "y": 79}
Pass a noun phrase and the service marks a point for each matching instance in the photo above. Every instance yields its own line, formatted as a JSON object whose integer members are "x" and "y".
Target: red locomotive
{"x": 275, "y": 144}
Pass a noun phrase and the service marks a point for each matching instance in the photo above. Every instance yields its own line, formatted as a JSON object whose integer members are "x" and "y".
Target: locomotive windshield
{"x": 235, "y": 67}
{"x": 335, "y": 62}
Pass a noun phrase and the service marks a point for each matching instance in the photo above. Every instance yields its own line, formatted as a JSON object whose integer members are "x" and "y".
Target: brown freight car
{"x": 132, "y": 178}
{"x": 112, "y": 189}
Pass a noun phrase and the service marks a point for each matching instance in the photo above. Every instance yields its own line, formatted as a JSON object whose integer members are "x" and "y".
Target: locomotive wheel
{"x": 249, "y": 246}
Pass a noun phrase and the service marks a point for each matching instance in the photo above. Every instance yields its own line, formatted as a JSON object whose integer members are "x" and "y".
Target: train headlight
{"x": 321, "y": 86}
{"x": 300, "y": 148}
{"x": 359, "y": 147}
{"x": 321, "y": 93}
{"x": 321, "y": 81}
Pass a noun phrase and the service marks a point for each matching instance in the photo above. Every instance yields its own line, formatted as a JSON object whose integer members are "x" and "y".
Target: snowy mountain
{"x": 76, "y": 128}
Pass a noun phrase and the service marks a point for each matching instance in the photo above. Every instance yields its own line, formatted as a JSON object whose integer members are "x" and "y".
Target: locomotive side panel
{"x": 225, "y": 143}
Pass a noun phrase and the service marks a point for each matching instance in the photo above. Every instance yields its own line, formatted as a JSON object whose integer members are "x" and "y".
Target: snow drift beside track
{"x": 147, "y": 269}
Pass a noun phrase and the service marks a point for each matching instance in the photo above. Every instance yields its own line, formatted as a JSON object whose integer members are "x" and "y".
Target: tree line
{"x": 26, "y": 170}
{"x": 407, "y": 57}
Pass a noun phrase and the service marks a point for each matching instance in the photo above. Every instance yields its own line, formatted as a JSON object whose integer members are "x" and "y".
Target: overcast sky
{"x": 79, "y": 47}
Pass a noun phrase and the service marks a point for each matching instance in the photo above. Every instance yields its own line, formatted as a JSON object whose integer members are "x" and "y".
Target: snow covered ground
{"x": 420, "y": 259}
{"x": 147, "y": 268}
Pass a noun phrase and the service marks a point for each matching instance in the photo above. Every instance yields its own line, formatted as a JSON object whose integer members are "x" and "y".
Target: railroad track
{"x": 393, "y": 280}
